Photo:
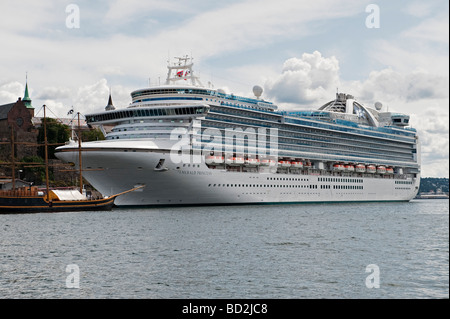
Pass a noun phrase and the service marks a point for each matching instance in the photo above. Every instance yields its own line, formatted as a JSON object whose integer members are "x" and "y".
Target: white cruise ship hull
{"x": 252, "y": 153}
{"x": 114, "y": 169}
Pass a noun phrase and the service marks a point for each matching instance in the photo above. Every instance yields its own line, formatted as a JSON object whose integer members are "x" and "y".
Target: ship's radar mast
{"x": 182, "y": 70}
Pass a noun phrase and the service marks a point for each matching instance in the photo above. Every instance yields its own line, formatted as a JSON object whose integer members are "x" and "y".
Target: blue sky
{"x": 300, "y": 52}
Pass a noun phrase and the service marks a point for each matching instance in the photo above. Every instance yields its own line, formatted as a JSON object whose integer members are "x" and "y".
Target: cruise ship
{"x": 188, "y": 144}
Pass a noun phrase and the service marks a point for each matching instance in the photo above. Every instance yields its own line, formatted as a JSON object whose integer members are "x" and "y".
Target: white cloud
{"x": 121, "y": 11}
{"x": 309, "y": 79}
{"x": 10, "y": 92}
{"x": 250, "y": 24}
{"x": 420, "y": 9}
{"x": 392, "y": 85}
{"x": 423, "y": 47}
{"x": 434, "y": 29}
{"x": 53, "y": 93}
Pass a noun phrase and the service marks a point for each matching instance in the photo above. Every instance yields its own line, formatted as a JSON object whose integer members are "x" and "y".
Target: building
{"x": 16, "y": 118}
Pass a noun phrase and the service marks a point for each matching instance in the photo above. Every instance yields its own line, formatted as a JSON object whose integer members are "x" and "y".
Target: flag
{"x": 180, "y": 73}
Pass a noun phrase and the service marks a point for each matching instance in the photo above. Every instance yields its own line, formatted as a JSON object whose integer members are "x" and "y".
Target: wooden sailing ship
{"x": 31, "y": 199}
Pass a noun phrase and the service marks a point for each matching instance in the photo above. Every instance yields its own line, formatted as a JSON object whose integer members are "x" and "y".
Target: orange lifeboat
{"x": 229, "y": 160}
{"x": 284, "y": 163}
{"x": 371, "y": 169}
{"x": 214, "y": 160}
{"x": 389, "y": 170}
{"x": 360, "y": 168}
{"x": 381, "y": 169}
{"x": 297, "y": 164}
{"x": 267, "y": 162}
{"x": 349, "y": 168}
{"x": 252, "y": 162}
{"x": 238, "y": 161}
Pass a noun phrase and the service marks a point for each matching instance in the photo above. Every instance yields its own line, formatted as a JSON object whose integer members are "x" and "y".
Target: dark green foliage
{"x": 428, "y": 184}
{"x": 57, "y": 133}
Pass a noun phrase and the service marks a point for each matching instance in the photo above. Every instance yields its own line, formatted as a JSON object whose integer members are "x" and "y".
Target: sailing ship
{"x": 31, "y": 199}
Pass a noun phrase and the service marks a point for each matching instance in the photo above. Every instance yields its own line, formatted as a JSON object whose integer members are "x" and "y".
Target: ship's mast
{"x": 79, "y": 154}
{"x": 13, "y": 160}
{"x": 182, "y": 70}
{"x": 46, "y": 156}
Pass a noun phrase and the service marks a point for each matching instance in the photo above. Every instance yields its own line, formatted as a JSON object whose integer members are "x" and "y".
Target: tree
{"x": 93, "y": 134}
{"x": 34, "y": 174}
{"x": 57, "y": 133}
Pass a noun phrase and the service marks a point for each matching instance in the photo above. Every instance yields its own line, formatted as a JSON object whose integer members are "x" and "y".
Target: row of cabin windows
{"x": 114, "y": 115}
{"x": 263, "y": 185}
{"x": 340, "y": 180}
{"x": 287, "y": 179}
{"x": 376, "y": 151}
{"x": 342, "y": 186}
{"x": 311, "y": 186}
{"x": 332, "y": 130}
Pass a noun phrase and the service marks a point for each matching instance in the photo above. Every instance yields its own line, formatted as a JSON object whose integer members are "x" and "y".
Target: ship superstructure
{"x": 192, "y": 145}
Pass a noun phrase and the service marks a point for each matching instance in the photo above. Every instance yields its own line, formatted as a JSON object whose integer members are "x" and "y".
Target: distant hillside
{"x": 428, "y": 184}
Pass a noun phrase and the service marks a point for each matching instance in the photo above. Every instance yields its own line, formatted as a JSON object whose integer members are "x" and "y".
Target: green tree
{"x": 57, "y": 133}
{"x": 34, "y": 174}
{"x": 93, "y": 134}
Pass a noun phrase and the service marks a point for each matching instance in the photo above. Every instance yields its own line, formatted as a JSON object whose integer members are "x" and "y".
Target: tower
{"x": 27, "y": 100}
{"x": 110, "y": 106}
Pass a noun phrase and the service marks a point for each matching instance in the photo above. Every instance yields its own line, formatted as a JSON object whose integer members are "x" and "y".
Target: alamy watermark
{"x": 373, "y": 19}
{"x": 373, "y": 279}
{"x": 73, "y": 18}
{"x": 248, "y": 142}
{"x": 73, "y": 279}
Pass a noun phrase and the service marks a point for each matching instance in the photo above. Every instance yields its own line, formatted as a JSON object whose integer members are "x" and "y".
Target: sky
{"x": 300, "y": 52}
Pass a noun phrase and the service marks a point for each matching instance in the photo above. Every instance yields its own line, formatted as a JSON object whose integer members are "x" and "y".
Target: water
{"x": 277, "y": 251}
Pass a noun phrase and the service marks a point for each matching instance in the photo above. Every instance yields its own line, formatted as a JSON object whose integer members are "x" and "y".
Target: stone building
{"x": 16, "y": 118}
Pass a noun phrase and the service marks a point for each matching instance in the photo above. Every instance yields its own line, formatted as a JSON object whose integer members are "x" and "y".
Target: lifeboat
{"x": 360, "y": 168}
{"x": 349, "y": 168}
{"x": 338, "y": 167}
{"x": 214, "y": 160}
{"x": 389, "y": 170}
{"x": 238, "y": 160}
{"x": 267, "y": 162}
{"x": 371, "y": 169}
{"x": 297, "y": 164}
{"x": 308, "y": 165}
{"x": 234, "y": 160}
{"x": 284, "y": 163}
{"x": 381, "y": 170}
{"x": 252, "y": 162}
{"x": 229, "y": 160}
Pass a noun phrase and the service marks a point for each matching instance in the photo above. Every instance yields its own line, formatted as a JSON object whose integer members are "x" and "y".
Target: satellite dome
{"x": 221, "y": 91}
{"x": 378, "y": 105}
{"x": 257, "y": 90}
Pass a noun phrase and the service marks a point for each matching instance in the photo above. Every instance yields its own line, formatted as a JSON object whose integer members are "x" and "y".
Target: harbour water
{"x": 351, "y": 250}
